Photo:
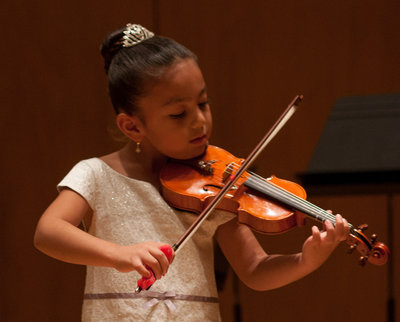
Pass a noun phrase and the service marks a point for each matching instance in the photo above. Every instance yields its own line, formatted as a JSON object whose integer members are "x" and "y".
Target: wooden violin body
{"x": 269, "y": 206}
{"x": 190, "y": 187}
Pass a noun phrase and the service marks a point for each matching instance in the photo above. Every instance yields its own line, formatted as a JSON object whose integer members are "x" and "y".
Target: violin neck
{"x": 273, "y": 191}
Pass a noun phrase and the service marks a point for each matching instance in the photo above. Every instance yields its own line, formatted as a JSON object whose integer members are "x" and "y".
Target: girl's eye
{"x": 203, "y": 104}
{"x": 177, "y": 116}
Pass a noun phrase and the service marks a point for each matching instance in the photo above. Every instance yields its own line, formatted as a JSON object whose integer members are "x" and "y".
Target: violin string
{"x": 293, "y": 200}
{"x": 299, "y": 203}
{"x": 285, "y": 196}
{"x": 288, "y": 196}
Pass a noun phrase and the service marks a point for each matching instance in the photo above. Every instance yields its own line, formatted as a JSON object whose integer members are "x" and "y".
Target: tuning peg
{"x": 363, "y": 227}
{"x": 363, "y": 260}
{"x": 373, "y": 238}
{"x": 351, "y": 248}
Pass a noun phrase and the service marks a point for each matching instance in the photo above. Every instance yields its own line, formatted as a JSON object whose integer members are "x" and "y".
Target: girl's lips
{"x": 200, "y": 140}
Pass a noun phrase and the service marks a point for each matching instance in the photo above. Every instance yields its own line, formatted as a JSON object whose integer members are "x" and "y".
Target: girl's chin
{"x": 191, "y": 154}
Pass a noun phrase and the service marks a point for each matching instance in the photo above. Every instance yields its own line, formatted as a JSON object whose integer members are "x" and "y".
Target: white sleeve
{"x": 82, "y": 179}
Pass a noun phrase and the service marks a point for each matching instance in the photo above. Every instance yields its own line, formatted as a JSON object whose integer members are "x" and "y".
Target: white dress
{"x": 128, "y": 211}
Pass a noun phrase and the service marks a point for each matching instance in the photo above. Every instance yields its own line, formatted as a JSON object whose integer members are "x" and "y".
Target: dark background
{"x": 256, "y": 56}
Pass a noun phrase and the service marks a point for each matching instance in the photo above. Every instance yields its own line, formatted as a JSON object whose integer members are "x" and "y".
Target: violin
{"x": 268, "y": 206}
{"x": 219, "y": 180}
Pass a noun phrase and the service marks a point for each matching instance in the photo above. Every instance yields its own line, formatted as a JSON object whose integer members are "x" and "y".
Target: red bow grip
{"x": 146, "y": 282}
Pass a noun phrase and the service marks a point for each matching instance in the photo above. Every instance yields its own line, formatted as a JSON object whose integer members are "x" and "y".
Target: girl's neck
{"x": 144, "y": 166}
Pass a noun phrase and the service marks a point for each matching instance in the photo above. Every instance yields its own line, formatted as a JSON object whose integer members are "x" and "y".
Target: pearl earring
{"x": 138, "y": 149}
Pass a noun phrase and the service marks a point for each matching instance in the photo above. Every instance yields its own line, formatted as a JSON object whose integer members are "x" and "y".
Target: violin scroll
{"x": 371, "y": 251}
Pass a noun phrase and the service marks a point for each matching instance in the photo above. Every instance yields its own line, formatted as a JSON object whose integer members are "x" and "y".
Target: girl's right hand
{"x": 137, "y": 257}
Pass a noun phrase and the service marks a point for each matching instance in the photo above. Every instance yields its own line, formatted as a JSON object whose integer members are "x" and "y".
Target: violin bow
{"x": 230, "y": 181}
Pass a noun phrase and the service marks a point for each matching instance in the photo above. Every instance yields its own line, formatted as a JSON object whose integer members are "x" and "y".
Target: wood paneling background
{"x": 256, "y": 55}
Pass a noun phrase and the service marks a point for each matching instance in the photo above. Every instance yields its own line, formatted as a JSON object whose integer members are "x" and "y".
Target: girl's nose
{"x": 200, "y": 119}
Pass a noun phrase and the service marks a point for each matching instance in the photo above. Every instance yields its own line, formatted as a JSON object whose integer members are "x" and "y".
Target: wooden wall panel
{"x": 256, "y": 55}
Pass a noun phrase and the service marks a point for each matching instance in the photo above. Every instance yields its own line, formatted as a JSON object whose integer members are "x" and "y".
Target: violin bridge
{"x": 227, "y": 172}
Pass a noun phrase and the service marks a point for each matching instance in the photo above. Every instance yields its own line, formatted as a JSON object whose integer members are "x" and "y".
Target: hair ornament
{"x": 135, "y": 34}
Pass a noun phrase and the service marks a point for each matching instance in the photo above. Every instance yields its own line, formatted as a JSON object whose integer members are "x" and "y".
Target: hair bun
{"x": 110, "y": 46}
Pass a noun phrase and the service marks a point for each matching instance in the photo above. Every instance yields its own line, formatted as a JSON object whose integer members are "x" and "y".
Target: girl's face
{"x": 176, "y": 114}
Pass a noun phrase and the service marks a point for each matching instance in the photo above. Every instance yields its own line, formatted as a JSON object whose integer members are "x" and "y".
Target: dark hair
{"x": 131, "y": 70}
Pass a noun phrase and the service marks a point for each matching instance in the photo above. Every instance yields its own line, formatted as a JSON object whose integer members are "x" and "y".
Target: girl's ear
{"x": 131, "y": 126}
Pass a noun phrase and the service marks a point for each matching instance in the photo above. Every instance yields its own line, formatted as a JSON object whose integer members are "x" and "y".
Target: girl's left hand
{"x": 318, "y": 247}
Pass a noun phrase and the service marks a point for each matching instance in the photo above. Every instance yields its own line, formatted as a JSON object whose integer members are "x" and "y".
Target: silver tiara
{"x": 135, "y": 34}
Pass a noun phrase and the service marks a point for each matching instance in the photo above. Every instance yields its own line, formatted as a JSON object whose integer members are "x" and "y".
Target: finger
{"x": 339, "y": 224}
{"x": 168, "y": 251}
{"x": 316, "y": 233}
{"x": 155, "y": 266}
{"x": 346, "y": 227}
{"x": 142, "y": 270}
{"x": 330, "y": 211}
{"x": 339, "y": 228}
{"x": 161, "y": 258}
{"x": 330, "y": 230}
{"x": 343, "y": 228}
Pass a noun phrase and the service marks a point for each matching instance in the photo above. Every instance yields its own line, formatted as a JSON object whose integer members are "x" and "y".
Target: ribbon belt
{"x": 154, "y": 297}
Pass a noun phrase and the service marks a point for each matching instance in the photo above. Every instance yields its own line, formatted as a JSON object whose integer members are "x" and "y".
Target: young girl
{"x": 160, "y": 98}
